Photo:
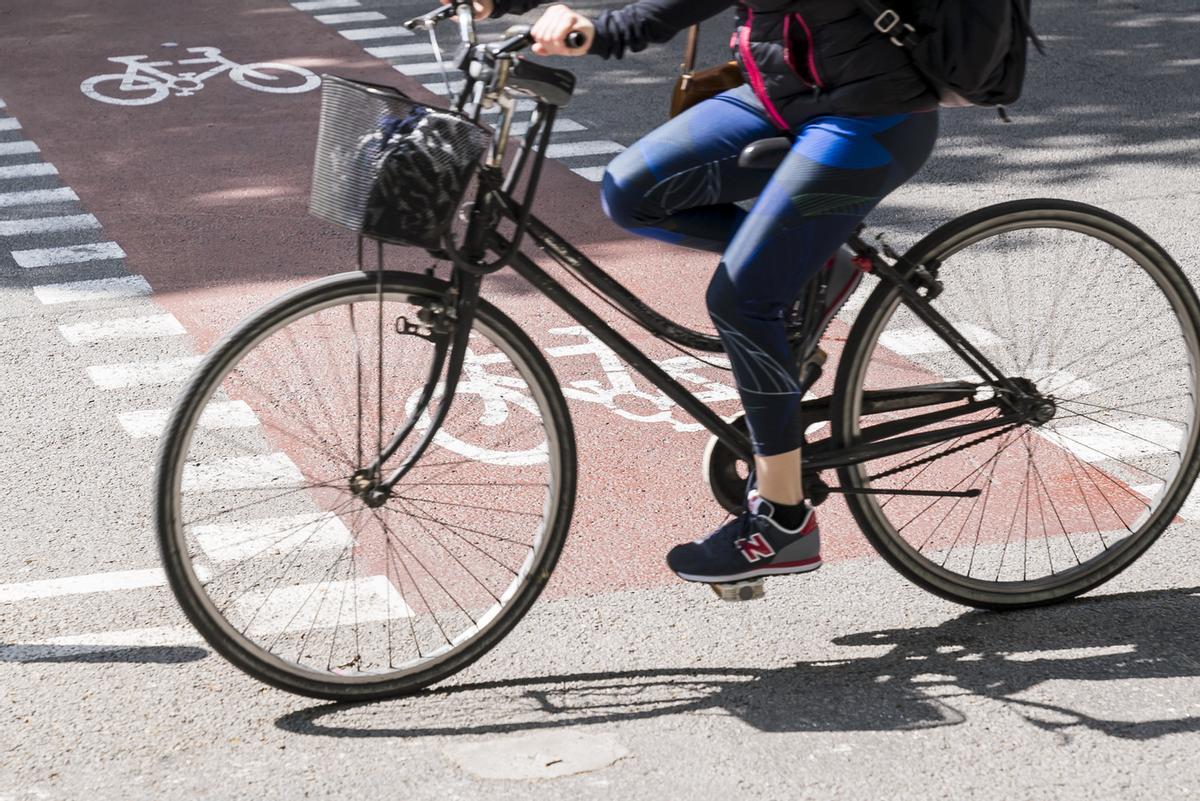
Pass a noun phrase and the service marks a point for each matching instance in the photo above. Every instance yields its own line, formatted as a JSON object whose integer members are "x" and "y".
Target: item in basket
{"x": 389, "y": 167}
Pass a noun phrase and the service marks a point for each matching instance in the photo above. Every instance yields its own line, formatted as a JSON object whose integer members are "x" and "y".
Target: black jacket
{"x": 803, "y": 58}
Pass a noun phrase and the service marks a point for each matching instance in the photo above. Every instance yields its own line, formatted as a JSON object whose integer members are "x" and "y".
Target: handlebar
{"x": 518, "y": 36}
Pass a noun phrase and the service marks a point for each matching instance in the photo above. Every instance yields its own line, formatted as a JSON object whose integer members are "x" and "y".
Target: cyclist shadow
{"x": 912, "y": 684}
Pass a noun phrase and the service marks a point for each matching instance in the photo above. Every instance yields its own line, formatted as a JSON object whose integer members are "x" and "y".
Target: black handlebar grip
{"x": 576, "y": 39}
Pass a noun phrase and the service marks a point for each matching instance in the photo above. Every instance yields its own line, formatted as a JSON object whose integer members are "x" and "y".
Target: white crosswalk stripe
{"x": 1122, "y": 439}
{"x": 319, "y": 5}
{"x": 307, "y": 606}
{"x": 41, "y": 225}
{"x": 386, "y": 32}
{"x": 33, "y": 197}
{"x": 71, "y": 254}
{"x": 142, "y": 374}
{"x": 9, "y": 124}
{"x": 151, "y": 422}
{"x": 144, "y": 327}
{"x": 242, "y": 472}
{"x": 127, "y": 286}
{"x": 311, "y": 532}
{"x": 594, "y": 174}
{"x": 354, "y": 16}
{"x": 401, "y": 51}
{"x": 27, "y": 170}
{"x": 563, "y": 150}
{"x": 84, "y": 585}
{"x": 18, "y": 148}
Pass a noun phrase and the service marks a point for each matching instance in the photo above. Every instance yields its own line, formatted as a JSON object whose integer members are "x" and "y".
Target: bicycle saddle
{"x": 765, "y": 154}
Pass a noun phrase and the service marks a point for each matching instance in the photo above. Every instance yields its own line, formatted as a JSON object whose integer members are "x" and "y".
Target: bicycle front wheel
{"x": 1084, "y": 307}
{"x": 273, "y": 550}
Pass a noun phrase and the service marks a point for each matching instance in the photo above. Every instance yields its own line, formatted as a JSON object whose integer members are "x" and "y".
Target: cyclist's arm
{"x": 636, "y": 25}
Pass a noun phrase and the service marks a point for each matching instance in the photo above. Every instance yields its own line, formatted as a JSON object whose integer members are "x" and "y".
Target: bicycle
{"x": 143, "y": 83}
{"x": 411, "y": 485}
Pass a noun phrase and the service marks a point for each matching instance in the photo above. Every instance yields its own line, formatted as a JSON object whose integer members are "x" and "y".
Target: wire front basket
{"x": 389, "y": 167}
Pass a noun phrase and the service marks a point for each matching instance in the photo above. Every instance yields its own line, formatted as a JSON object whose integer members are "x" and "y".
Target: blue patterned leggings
{"x": 680, "y": 184}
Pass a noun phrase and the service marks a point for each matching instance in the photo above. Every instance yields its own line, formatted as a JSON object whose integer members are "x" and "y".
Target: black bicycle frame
{"x": 496, "y": 202}
{"x": 882, "y": 440}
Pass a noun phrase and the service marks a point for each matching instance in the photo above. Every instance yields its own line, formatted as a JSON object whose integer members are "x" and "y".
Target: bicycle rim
{"x": 292, "y": 575}
{"x": 1102, "y": 322}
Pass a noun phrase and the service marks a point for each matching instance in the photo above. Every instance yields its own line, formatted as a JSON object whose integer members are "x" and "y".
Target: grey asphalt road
{"x": 848, "y": 683}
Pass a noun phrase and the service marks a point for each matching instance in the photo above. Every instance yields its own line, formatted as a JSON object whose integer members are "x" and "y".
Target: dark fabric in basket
{"x": 389, "y": 167}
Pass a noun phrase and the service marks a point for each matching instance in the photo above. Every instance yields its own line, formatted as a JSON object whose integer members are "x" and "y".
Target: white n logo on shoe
{"x": 754, "y": 547}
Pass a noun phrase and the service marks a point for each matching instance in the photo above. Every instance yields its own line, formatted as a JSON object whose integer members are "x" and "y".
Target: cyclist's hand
{"x": 483, "y": 8}
{"x": 550, "y": 32}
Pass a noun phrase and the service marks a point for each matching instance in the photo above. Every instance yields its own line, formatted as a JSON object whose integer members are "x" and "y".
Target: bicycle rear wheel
{"x": 1092, "y": 312}
{"x": 285, "y": 568}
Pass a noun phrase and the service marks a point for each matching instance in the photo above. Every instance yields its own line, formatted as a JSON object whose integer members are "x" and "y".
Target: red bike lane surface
{"x": 207, "y": 194}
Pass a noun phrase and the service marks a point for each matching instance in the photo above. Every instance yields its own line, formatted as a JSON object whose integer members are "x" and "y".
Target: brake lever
{"x": 517, "y": 38}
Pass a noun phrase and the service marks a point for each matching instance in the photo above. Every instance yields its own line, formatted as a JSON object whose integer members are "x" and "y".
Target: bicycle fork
{"x": 450, "y": 325}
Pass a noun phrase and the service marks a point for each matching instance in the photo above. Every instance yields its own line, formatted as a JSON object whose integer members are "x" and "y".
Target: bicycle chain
{"x": 934, "y": 457}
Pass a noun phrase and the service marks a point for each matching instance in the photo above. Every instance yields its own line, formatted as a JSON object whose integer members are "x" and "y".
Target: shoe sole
{"x": 804, "y": 567}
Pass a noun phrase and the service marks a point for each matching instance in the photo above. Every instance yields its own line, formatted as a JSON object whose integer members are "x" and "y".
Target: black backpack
{"x": 972, "y": 51}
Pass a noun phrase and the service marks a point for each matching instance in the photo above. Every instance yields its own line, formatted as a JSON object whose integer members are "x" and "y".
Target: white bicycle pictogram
{"x": 143, "y": 82}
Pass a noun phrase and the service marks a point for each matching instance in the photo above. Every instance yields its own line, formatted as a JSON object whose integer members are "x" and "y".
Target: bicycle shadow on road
{"x": 920, "y": 681}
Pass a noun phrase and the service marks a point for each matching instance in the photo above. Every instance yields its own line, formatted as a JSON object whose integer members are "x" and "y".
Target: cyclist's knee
{"x": 622, "y": 203}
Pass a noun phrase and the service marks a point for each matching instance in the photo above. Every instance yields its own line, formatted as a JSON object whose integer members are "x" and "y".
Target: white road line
{"x": 71, "y": 254}
{"x": 147, "y": 326}
{"x": 321, "y": 605}
{"x": 127, "y": 286}
{"x": 39, "y": 225}
{"x": 318, "y": 5}
{"x": 142, "y": 374}
{"x": 423, "y": 68}
{"x": 28, "y": 170}
{"x": 398, "y": 51}
{"x": 1191, "y": 506}
{"x": 312, "y": 532}
{"x": 3, "y": 104}
{"x": 359, "y": 34}
{"x": 440, "y": 88}
{"x": 354, "y": 16}
{"x": 81, "y": 585}
{"x": 564, "y": 150}
{"x": 912, "y": 341}
{"x": 593, "y": 174}
{"x": 17, "y": 148}
{"x": 150, "y": 422}
{"x": 34, "y": 196}
{"x": 9, "y": 124}
{"x": 99, "y": 642}
{"x": 242, "y": 472}
{"x": 563, "y": 125}
{"x": 1120, "y": 439}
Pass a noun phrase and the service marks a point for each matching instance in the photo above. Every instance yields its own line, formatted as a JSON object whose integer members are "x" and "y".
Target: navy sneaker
{"x": 749, "y": 546}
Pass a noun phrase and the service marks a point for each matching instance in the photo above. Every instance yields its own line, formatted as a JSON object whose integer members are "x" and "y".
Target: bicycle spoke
{"x": 311, "y": 574}
{"x": 1043, "y": 299}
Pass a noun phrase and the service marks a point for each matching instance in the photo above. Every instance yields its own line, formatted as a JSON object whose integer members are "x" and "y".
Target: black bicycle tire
{"x": 856, "y": 356}
{"x": 176, "y": 436}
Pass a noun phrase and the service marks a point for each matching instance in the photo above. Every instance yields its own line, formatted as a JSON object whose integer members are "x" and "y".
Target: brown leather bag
{"x": 693, "y": 86}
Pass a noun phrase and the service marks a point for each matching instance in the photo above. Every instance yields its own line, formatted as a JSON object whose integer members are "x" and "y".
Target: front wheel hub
{"x": 1044, "y": 411}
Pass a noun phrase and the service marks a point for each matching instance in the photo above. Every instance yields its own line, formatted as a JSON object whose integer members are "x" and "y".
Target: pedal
{"x": 740, "y": 590}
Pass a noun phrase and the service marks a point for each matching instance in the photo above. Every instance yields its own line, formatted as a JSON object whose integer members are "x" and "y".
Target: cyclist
{"x": 863, "y": 122}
